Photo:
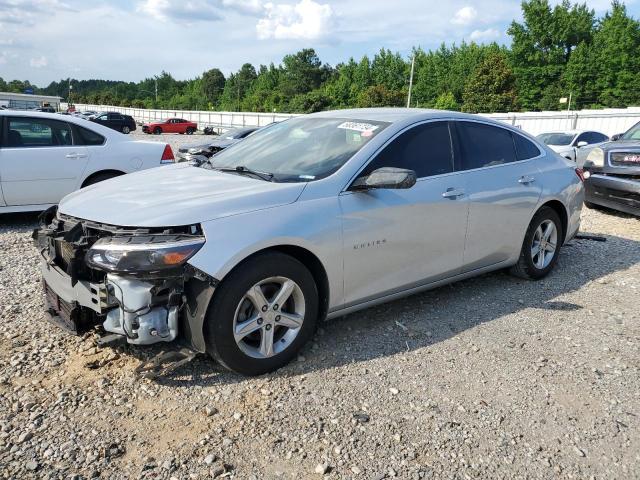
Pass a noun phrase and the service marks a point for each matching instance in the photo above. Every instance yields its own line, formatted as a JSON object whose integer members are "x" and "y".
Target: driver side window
{"x": 425, "y": 149}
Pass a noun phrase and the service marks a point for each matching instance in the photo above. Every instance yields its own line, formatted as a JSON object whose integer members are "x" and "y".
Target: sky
{"x": 46, "y": 40}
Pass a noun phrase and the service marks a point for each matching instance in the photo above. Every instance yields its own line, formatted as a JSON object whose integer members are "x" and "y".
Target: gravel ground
{"x": 492, "y": 377}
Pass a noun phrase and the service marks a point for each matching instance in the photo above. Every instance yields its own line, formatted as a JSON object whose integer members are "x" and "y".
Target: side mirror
{"x": 616, "y": 136}
{"x": 386, "y": 177}
{"x": 582, "y": 143}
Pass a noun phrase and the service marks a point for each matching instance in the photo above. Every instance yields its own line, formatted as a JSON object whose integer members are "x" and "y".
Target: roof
{"x": 29, "y": 96}
{"x": 394, "y": 115}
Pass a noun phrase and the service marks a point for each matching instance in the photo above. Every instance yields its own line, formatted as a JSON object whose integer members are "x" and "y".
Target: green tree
{"x": 212, "y": 85}
{"x": 446, "y": 101}
{"x": 491, "y": 87}
{"x": 380, "y": 96}
{"x": 543, "y": 44}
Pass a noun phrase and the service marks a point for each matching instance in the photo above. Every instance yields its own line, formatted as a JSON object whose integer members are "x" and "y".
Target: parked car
{"x": 321, "y": 215}
{"x": 228, "y": 138}
{"x": 45, "y": 156}
{"x": 115, "y": 121}
{"x": 46, "y": 109}
{"x": 170, "y": 125}
{"x": 567, "y": 143}
{"x": 614, "y": 173}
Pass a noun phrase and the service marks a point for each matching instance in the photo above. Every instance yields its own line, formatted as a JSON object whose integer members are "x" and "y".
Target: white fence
{"x": 202, "y": 118}
{"x": 609, "y": 121}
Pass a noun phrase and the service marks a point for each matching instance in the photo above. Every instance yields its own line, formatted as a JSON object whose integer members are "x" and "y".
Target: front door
{"x": 396, "y": 239}
{"x": 38, "y": 162}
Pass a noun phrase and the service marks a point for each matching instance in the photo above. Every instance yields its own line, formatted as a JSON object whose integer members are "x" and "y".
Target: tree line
{"x": 555, "y": 51}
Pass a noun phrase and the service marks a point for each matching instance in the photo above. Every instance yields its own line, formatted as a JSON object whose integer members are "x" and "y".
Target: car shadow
{"x": 425, "y": 319}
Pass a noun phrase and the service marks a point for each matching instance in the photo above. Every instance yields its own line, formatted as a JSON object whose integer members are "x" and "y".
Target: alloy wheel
{"x": 544, "y": 244}
{"x": 269, "y": 317}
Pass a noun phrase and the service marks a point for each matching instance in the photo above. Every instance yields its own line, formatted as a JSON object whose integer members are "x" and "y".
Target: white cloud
{"x": 488, "y": 34}
{"x": 39, "y": 62}
{"x": 304, "y": 20}
{"x": 25, "y": 12}
{"x": 183, "y": 11}
{"x": 251, "y": 7}
{"x": 465, "y": 16}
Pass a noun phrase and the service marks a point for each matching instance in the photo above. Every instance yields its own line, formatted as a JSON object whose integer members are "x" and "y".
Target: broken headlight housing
{"x": 595, "y": 158}
{"x": 143, "y": 254}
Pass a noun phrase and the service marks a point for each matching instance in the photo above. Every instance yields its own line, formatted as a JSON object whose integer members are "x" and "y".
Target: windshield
{"x": 633, "y": 133}
{"x": 300, "y": 149}
{"x": 556, "y": 138}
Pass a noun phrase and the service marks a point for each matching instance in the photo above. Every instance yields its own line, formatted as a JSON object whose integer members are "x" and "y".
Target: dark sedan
{"x": 228, "y": 138}
{"x": 614, "y": 173}
{"x": 116, "y": 121}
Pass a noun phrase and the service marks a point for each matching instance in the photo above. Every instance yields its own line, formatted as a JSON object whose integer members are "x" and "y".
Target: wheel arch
{"x": 562, "y": 212}
{"x": 309, "y": 260}
{"x": 115, "y": 172}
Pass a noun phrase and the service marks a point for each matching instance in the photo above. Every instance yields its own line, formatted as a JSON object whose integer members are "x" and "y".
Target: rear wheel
{"x": 262, "y": 314}
{"x": 541, "y": 245}
{"x": 157, "y": 130}
{"x": 100, "y": 177}
{"x": 125, "y": 130}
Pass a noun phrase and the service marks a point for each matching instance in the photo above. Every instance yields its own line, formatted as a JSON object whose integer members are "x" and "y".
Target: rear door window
{"x": 425, "y": 149}
{"x": 483, "y": 145}
{"x": 25, "y": 132}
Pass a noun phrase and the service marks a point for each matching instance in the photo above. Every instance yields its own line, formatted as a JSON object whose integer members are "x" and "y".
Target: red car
{"x": 170, "y": 125}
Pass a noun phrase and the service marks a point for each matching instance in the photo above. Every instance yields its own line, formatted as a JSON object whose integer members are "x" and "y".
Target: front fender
{"x": 230, "y": 240}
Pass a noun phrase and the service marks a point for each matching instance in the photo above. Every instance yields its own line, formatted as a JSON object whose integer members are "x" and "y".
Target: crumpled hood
{"x": 175, "y": 195}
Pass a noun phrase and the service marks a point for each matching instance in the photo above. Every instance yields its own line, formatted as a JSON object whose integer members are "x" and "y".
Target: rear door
{"x": 398, "y": 239}
{"x": 39, "y": 164}
{"x": 503, "y": 188}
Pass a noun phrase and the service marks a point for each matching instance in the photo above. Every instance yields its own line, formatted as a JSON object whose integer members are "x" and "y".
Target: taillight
{"x": 582, "y": 174}
{"x": 167, "y": 155}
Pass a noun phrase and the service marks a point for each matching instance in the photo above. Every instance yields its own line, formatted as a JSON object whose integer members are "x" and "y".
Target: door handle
{"x": 71, "y": 155}
{"x": 526, "y": 180}
{"x": 453, "y": 193}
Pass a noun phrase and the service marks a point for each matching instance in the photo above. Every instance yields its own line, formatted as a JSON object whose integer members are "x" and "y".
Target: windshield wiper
{"x": 268, "y": 177}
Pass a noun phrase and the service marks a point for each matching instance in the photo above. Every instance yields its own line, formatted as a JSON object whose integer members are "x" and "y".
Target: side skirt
{"x": 417, "y": 289}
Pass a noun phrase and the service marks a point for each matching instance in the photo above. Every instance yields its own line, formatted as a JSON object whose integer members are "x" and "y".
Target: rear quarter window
{"x": 84, "y": 136}
{"x": 525, "y": 148}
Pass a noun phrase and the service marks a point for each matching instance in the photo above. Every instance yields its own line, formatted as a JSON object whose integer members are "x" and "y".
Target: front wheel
{"x": 157, "y": 130}
{"x": 541, "y": 245}
{"x": 190, "y": 131}
{"x": 126, "y": 130}
{"x": 262, "y": 314}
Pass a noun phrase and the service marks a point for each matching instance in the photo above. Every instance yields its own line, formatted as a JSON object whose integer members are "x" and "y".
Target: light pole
{"x": 413, "y": 62}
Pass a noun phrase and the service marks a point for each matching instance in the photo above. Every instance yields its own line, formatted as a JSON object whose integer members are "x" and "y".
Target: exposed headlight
{"x": 143, "y": 253}
{"x": 595, "y": 158}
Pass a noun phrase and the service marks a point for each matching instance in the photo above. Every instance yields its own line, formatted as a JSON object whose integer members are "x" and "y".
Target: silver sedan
{"x": 319, "y": 216}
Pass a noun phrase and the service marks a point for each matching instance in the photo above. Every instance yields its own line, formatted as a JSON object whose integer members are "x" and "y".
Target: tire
{"x": 157, "y": 131}
{"x": 190, "y": 131}
{"x": 126, "y": 130}
{"x": 530, "y": 265}
{"x": 231, "y": 307}
{"x": 100, "y": 177}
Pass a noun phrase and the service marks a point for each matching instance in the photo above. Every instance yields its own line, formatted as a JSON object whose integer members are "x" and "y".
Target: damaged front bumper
{"x": 143, "y": 307}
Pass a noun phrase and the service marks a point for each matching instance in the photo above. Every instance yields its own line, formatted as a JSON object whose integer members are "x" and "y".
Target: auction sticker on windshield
{"x": 358, "y": 126}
